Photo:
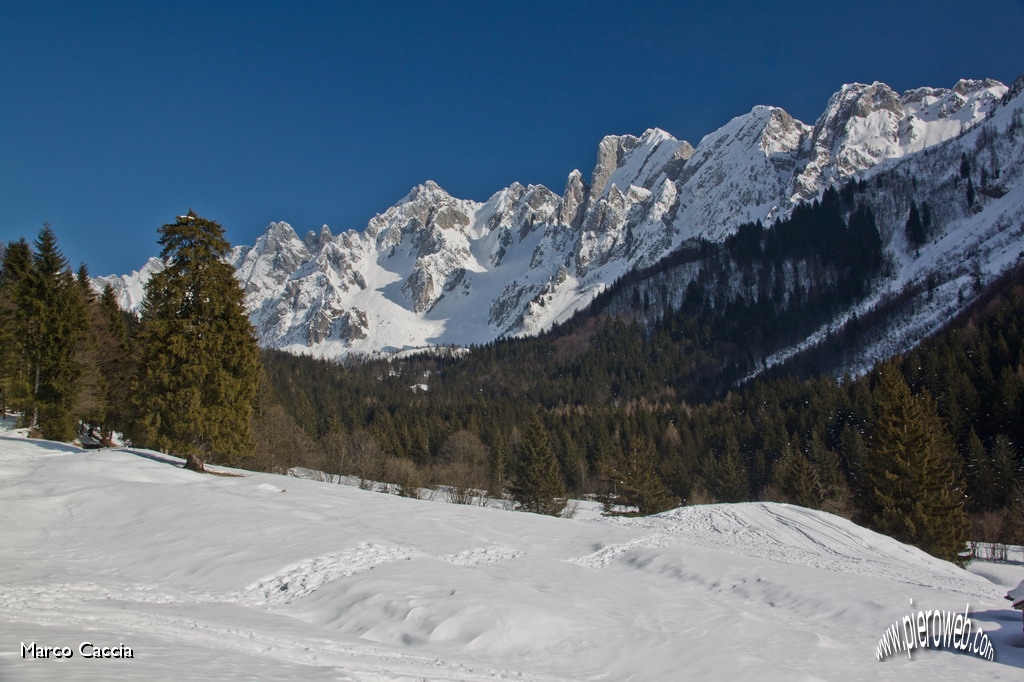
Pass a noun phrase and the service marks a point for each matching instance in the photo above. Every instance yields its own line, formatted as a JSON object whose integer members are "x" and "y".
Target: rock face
{"x": 434, "y": 269}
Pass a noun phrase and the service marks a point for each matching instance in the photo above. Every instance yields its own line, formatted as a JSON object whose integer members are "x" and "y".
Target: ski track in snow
{"x": 90, "y": 606}
{"x": 732, "y": 529}
{"x": 308, "y": 576}
{"x": 606, "y": 556}
{"x": 481, "y": 555}
{"x": 655, "y": 598}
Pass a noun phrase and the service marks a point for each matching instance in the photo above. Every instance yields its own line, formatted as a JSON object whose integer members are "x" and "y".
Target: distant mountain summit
{"x": 437, "y": 270}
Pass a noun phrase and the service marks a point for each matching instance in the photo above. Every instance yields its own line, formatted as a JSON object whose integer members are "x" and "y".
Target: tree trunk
{"x": 195, "y": 463}
{"x": 35, "y": 401}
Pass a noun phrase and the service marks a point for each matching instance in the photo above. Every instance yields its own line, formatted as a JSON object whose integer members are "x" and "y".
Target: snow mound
{"x": 308, "y": 576}
{"x": 224, "y": 577}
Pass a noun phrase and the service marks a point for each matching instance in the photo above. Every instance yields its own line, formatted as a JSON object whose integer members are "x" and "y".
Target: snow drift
{"x": 258, "y": 576}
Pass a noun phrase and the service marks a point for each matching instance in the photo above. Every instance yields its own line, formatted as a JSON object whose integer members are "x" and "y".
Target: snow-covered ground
{"x": 264, "y": 577}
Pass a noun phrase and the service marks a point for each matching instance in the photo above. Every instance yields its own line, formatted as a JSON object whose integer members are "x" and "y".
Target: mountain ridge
{"x": 437, "y": 270}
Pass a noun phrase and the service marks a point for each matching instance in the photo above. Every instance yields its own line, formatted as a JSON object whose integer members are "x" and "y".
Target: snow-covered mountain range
{"x": 437, "y": 270}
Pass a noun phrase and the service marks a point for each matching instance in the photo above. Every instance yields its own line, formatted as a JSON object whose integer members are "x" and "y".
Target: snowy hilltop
{"x": 260, "y": 576}
{"x": 437, "y": 270}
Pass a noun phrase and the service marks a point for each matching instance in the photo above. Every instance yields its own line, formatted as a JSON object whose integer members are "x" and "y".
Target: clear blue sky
{"x": 116, "y": 116}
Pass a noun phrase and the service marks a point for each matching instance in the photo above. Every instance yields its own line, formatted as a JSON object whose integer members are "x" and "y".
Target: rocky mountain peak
{"x": 967, "y": 86}
{"x": 316, "y": 240}
{"x": 437, "y": 269}
{"x": 570, "y": 210}
{"x": 424, "y": 191}
{"x": 624, "y": 160}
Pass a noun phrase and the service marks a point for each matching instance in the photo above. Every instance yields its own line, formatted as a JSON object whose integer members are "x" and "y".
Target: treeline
{"x": 182, "y": 378}
{"x": 602, "y": 388}
{"x": 642, "y": 413}
{"x": 63, "y": 349}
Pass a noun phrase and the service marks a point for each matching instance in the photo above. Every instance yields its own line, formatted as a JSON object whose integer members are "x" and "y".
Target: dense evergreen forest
{"x": 640, "y": 406}
{"x": 613, "y": 422}
{"x": 182, "y": 378}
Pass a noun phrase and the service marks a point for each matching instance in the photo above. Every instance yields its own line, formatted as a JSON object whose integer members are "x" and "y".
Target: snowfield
{"x": 265, "y": 577}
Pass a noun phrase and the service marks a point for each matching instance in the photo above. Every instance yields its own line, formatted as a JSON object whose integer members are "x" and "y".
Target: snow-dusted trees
{"x": 914, "y": 229}
{"x": 199, "y": 365}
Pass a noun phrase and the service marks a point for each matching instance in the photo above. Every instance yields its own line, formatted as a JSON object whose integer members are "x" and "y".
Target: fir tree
{"x": 15, "y": 282}
{"x": 635, "y": 482}
{"x": 91, "y": 402}
{"x": 538, "y": 485}
{"x": 199, "y": 365}
{"x": 979, "y": 473}
{"x": 915, "y": 489}
{"x": 109, "y": 362}
{"x": 725, "y": 474}
{"x": 1003, "y": 462}
{"x": 56, "y": 324}
{"x": 796, "y": 480}
{"x": 965, "y": 166}
{"x": 914, "y": 228}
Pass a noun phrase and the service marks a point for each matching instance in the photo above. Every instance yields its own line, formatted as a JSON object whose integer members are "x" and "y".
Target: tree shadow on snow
{"x": 58, "y": 446}
{"x": 177, "y": 462}
{"x": 156, "y": 457}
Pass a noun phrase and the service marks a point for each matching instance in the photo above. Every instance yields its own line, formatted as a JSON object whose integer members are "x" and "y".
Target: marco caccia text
{"x": 85, "y": 650}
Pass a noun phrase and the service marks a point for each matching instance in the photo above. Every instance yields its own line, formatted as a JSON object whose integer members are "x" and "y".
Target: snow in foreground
{"x": 262, "y": 577}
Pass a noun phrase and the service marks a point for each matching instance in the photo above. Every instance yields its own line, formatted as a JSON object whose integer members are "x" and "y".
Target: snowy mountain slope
{"x": 971, "y": 187}
{"x": 972, "y": 243}
{"x": 434, "y": 269}
{"x": 266, "y": 577}
{"x": 864, "y": 125}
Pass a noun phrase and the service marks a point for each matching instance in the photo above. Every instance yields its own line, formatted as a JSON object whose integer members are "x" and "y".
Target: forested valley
{"x": 644, "y": 406}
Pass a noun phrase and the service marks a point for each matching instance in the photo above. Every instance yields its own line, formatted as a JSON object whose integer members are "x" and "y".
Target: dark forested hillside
{"x": 658, "y": 395}
{"x": 643, "y": 402}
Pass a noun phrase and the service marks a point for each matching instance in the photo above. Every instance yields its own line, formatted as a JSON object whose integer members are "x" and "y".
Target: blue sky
{"x": 117, "y": 116}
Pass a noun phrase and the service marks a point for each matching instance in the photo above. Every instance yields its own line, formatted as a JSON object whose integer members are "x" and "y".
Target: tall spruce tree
{"x": 538, "y": 485}
{"x": 797, "y": 480}
{"x": 724, "y": 472}
{"x": 915, "y": 487}
{"x": 56, "y": 324}
{"x": 199, "y": 366}
{"x": 15, "y": 282}
{"x": 634, "y": 481}
{"x": 914, "y": 228}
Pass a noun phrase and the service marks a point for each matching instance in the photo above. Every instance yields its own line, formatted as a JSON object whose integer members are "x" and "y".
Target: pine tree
{"x": 538, "y": 485}
{"x": 1003, "y": 462}
{"x": 797, "y": 480}
{"x": 915, "y": 490}
{"x": 965, "y": 166}
{"x": 199, "y": 366}
{"x": 725, "y": 475}
{"x": 980, "y": 481}
{"x": 116, "y": 361}
{"x": 91, "y": 401}
{"x": 635, "y": 482}
{"x": 54, "y": 312}
{"x": 15, "y": 282}
{"x": 914, "y": 228}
